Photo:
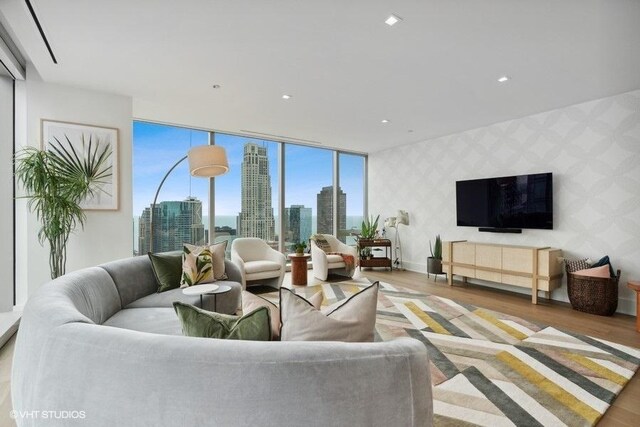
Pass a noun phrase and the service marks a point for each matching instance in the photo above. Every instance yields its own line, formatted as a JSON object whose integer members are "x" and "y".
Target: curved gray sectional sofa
{"x": 101, "y": 342}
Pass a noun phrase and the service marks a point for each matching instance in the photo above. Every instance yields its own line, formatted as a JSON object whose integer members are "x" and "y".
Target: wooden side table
{"x": 299, "y": 269}
{"x": 636, "y": 287}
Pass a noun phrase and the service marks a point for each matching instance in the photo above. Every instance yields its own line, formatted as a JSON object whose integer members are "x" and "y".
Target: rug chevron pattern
{"x": 491, "y": 369}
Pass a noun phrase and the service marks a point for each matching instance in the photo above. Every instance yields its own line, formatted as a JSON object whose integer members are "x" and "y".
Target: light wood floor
{"x": 618, "y": 328}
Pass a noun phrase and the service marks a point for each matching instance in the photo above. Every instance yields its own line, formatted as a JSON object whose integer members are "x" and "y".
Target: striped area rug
{"x": 491, "y": 369}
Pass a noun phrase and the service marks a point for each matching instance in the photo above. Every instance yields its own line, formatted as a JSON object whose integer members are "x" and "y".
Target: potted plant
{"x": 434, "y": 262}
{"x": 55, "y": 182}
{"x": 365, "y": 253}
{"x": 369, "y": 228}
{"x": 300, "y": 247}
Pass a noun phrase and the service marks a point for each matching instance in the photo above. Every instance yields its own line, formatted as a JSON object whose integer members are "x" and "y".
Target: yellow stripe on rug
{"x": 495, "y": 321}
{"x": 428, "y": 320}
{"x": 548, "y": 386}
{"x": 597, "y": 368}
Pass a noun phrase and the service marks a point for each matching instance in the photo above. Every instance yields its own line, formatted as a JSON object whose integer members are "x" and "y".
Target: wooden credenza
{"x": 535, "y": 268}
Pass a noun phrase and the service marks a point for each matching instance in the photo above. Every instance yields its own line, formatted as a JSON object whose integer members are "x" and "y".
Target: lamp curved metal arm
{"x": 155, "y": 199}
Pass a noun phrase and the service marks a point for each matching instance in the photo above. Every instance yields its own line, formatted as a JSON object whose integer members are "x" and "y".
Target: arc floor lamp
{"x": 205, "y": 161}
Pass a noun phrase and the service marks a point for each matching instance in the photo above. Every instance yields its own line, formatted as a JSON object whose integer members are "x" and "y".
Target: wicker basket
{"x": 593, "y": 295}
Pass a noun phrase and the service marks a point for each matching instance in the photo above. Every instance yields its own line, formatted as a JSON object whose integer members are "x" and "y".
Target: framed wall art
{"x": 87, "y": 146}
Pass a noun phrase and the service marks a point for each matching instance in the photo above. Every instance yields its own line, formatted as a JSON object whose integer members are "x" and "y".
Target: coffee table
{"x": 207, "y": 289}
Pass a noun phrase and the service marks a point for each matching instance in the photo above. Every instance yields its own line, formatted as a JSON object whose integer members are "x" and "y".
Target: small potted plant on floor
{"x": 300, "y": 247}
{"x": 434, "y": 262}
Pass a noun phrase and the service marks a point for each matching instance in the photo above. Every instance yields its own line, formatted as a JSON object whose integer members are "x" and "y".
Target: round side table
{"x": 299, "y": 269}
{"x": 207, "y": 289}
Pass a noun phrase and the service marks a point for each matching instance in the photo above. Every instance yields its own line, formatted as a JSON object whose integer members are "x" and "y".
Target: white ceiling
{"x": 433, "y": 74}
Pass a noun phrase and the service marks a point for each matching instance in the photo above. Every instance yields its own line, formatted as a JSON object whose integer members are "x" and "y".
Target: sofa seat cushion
{"x": 156, "y": 320}
{"x": 253, "y": 267}
{"x": 334, "y": 258}
{"x": 227, "y": 302}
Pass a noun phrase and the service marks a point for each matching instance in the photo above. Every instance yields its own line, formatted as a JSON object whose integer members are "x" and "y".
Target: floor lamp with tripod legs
{"x": 394, "y": 222}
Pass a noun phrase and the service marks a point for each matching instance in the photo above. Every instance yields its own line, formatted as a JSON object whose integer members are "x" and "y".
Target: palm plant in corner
{"x": 55, "y": 182}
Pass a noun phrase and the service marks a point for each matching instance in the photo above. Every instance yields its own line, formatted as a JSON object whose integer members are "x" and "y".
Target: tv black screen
{"x": 523, "y": 201}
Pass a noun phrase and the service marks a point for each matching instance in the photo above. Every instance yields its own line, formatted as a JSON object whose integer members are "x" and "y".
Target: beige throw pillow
{"x": 251, "y": 302}
{"x": 353, "y": 321}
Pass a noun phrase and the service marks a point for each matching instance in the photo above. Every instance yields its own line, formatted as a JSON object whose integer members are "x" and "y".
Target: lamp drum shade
{"x": 208, "y": 161}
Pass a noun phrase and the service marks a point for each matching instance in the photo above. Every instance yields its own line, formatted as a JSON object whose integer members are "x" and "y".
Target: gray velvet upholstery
{"x": 156, "y": 320}
{"x": 227, "y": 302}
{"x": 133, "y": 277}
{"x": 67, "y": 357}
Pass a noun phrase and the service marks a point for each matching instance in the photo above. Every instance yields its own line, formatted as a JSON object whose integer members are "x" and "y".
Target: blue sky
{"x": 157, "y": 147}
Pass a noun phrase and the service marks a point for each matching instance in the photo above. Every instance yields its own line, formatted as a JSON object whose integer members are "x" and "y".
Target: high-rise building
{"x": 325, "y": 210}
{"x": 256, "y": 218}
{"x": 297, "y": 220}
{"x": 174, "y": 224}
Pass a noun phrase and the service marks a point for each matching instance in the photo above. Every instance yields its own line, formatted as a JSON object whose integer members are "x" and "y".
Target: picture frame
{"x": 77, "y": 137}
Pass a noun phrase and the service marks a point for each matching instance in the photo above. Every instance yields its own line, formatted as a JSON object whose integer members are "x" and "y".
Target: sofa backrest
{"x": 133, "y": 278}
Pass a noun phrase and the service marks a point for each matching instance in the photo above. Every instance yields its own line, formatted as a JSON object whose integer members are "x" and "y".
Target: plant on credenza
{"x": 55, "y": 182}
{"x": 434, "y": 262}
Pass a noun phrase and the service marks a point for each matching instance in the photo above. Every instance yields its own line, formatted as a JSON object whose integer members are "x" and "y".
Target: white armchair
{"x": 258, "y": 262}
{"x": 323, "y": 262}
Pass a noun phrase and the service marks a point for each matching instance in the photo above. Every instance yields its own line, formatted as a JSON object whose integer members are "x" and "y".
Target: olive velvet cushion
{"x": 167, "y": 267}
{"x": 253, "y": 326}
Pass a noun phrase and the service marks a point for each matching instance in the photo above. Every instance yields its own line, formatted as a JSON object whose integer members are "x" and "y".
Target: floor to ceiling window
{"x": 308, "y": 197}
{"x": 247, "y": 199}
{"x": 352, "y": 179}
{"x": 180, "y": 211}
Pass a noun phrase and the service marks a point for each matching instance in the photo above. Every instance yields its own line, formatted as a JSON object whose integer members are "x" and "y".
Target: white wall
{"x": 107, "y": 235}
{"x": 593, "y": 150}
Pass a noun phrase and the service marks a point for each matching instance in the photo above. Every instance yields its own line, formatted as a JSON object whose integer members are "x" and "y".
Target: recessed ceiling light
{"x": 392, "y": 20}
{"x": 286, "y": 96}
{"x": 384, "y": 121}
{"x": 503, "y": 79}
{"x": 216, "y": 86}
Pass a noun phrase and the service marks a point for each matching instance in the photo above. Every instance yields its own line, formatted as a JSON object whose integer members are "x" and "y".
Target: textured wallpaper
{"x": 593, "y": 150}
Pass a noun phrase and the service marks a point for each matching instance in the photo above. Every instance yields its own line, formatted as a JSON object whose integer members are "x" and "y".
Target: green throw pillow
{"x": 254, "y": 326}
{"x": 167, "y": 267}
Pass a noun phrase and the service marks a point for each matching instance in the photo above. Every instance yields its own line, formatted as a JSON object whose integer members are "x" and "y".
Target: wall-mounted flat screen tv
{"x": 509, "y": 202}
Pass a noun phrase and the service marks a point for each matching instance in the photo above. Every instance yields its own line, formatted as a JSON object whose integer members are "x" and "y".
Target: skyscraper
{"x": 297, "y": 223}
{"x": 256, "y": 218}
{"x": 174, "y": 224}
{"x": 325, "y": 210}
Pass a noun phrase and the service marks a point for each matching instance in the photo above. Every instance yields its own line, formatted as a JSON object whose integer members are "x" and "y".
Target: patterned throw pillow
{"x": 197, "y": 266}
{"x": 321, "y": 242}
{"x": 576, "y": 264}
{"x": 202, "y": 264}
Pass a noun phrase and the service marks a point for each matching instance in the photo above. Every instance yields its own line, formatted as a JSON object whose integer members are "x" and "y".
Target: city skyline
{"x": 157, "y": 147}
